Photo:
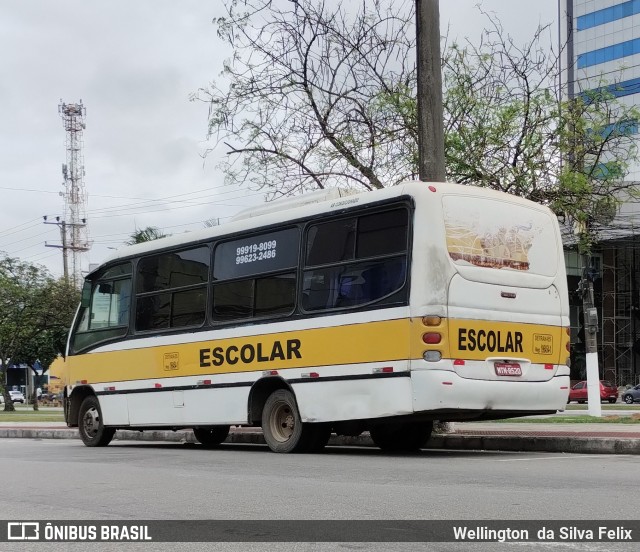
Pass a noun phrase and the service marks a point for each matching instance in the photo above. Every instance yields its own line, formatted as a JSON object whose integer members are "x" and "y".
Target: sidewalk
{"x": 573, "y": 438}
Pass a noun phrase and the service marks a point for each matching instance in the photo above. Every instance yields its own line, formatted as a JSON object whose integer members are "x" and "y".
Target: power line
{"x": 18, "y": 228}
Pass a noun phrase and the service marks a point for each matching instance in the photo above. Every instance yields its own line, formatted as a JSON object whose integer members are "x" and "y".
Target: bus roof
{"x": 302, "y": 207}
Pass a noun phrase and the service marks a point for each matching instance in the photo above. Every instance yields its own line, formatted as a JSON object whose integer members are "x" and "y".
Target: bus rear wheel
{"x": 401, "y": 436}
{"x": 283, "y": 429}
{"x": 211, "y": 436}
{"x": 91, "y": 426}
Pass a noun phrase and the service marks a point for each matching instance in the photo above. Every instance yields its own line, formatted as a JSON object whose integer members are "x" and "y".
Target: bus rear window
{"x": 498, "y": 234}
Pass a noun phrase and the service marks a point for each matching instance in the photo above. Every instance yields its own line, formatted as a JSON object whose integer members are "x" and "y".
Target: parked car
{"x": 16, "y": 396}
{"x": 608, "y": 392}
{"x": 631, "y": 395}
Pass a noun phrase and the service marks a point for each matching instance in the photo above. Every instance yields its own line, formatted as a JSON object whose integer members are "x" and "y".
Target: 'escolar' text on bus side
{"x": 249, "y": 353}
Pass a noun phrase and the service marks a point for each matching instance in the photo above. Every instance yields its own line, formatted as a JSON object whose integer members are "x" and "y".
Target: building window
{"x": 609, "y": 53}
{"x": 607, "y": 15}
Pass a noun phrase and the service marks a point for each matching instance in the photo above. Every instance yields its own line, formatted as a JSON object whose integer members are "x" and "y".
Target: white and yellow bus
{"x": 376, "y": 312}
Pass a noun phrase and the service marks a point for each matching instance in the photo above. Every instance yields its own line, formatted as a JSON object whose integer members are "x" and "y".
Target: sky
{"x": 135, "y": 66}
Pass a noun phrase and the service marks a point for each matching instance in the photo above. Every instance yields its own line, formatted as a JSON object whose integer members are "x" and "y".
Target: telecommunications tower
{"x": 73, "y": 226}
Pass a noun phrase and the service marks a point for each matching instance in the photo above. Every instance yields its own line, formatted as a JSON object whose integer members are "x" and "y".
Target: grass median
{"x": 581, "y": 419}
{"x": 616, "y": 406}
{"x": 28, "y": 414}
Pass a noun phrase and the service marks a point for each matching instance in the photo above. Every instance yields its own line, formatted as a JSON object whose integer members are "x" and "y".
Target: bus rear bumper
{"x": 444, "y": 390}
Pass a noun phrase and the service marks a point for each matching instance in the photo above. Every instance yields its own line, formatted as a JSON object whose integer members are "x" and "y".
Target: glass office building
{"x": 602, "y": 48}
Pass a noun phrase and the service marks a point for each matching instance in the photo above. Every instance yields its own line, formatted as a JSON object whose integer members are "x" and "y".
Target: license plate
{"x": 508, "y": 369}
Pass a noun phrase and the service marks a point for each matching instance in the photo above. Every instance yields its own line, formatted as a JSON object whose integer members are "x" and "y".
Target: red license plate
{"x": 508, "y": 369}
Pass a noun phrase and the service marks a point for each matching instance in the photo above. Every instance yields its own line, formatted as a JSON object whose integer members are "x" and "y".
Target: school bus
{"x": 328, "y": 313}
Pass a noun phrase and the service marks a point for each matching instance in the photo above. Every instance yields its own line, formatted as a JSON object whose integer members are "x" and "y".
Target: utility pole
{"x": 63, "y": 235}
{"x": 431, "y": 167}
{"x": 590, "y": 314}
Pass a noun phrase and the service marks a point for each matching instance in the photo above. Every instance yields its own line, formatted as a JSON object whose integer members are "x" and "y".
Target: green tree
{"x": 36, "y": 311}
{"x": 142, "y": 235}
{"x": 508, "y": 128}
{"x": 300, "y": 106}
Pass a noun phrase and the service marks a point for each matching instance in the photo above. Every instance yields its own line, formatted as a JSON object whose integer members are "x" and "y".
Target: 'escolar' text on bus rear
{"x": 491, "y": 341}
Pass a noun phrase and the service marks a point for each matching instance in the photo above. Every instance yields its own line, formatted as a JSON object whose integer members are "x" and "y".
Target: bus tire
{"x": 91, "y": 426}
{"x": 281, "y": 424}
{"x": 211, "y": 436}
{"x": 401, "y": 436}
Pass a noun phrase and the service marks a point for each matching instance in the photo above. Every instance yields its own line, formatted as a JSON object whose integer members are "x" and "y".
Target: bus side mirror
{"x": 85, "y": 298}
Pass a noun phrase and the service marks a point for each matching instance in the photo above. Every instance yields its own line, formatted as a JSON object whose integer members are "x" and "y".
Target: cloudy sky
{"x": 134, "y": 65}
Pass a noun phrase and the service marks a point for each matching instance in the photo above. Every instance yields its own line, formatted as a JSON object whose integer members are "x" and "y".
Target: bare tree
{"x": 317, "y": 96}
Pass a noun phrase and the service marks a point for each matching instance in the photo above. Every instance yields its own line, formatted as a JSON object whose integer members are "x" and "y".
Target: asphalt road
{"x": 62, "y": 479}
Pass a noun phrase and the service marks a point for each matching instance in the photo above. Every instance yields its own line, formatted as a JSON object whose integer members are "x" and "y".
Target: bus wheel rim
{"x": 282, "y": 422}
{"x": 91, "y": 422}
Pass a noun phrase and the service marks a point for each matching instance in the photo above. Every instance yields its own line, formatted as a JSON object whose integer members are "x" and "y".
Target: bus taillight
{"x": 432, "y": 338}
{"x": 431, "y": 320}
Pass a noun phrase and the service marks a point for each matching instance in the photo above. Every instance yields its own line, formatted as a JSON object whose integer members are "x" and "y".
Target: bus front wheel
{"x": 283, "y": 429}
{"x": 211, "y": 436}
{"x": 91, "y": 426}
{"x": 401, "y": 436}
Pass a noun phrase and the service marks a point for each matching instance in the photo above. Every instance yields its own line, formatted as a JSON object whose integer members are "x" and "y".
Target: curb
{"x": 511, "y": 443}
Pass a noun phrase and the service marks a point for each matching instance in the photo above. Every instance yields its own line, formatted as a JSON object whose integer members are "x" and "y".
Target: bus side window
{"x": 384, "y": 278}
{"x": 315, "y": 292}
{"x": 356, "y": 260}
{"x": 124, "y": 305}
{"x": 107, "y": 314}
{"x": 351, "y": 291}
{"x": 171, "y": 289}
{"x": 110, "y": 304}
{"x": 254, "y": 276}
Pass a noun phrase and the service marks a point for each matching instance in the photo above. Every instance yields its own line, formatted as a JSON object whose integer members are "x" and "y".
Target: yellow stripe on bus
{"x": 358, "y": 343}
{"x": 381, "y": 341}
